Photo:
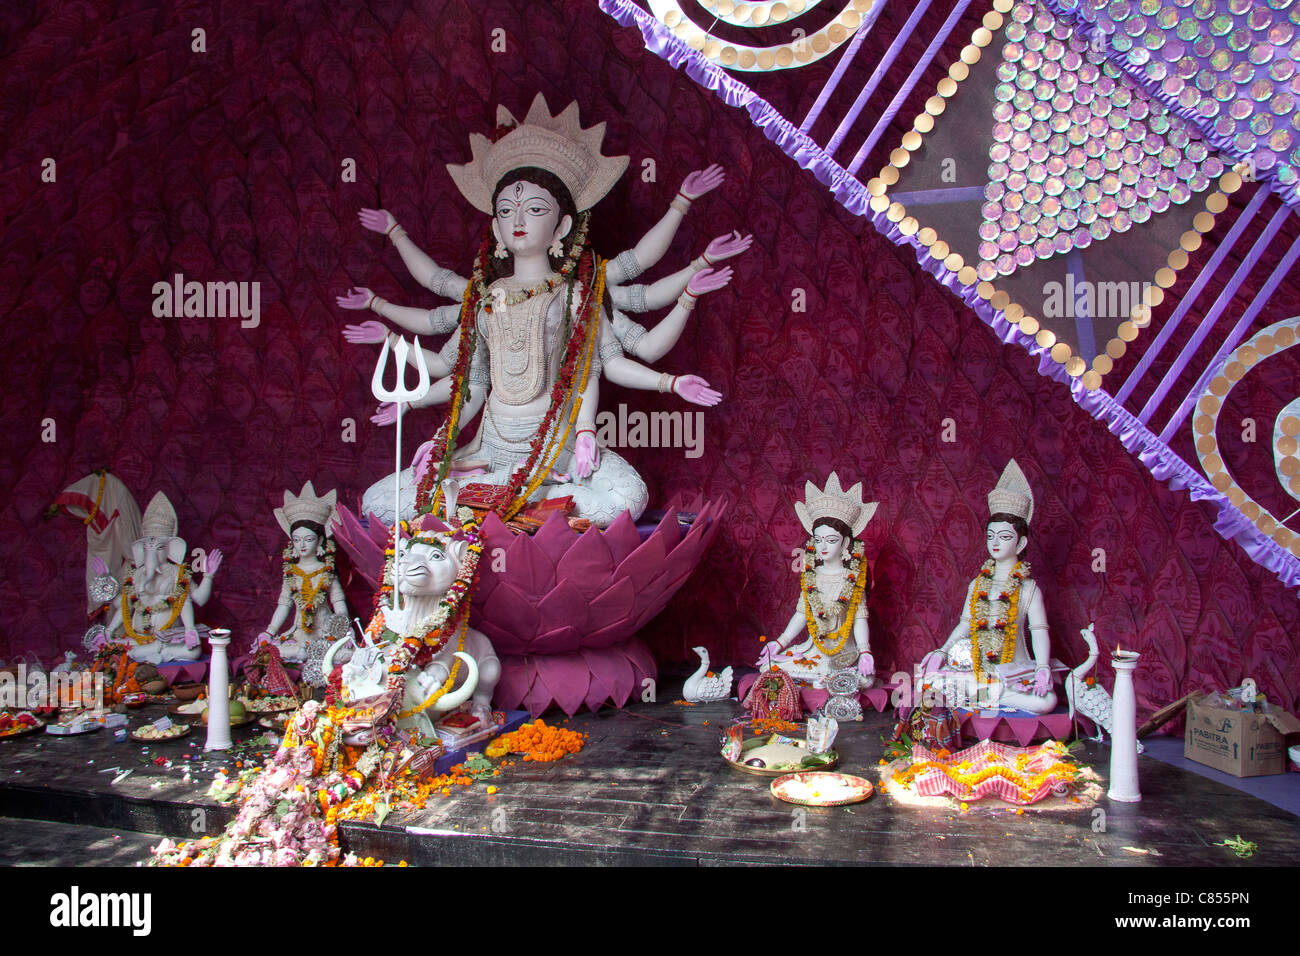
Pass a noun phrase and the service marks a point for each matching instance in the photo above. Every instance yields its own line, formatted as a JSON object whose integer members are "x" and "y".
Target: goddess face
{"x": 1004, "y": 542}
{"x": 528, "y": 219}
{"x": 305, "y": 542}
{"x": 828, "y": 545}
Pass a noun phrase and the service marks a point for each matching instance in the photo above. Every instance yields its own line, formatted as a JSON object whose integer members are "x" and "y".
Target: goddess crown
{"x": 557, "y": 144}
{"x": 1012, "y": 494}
{"x": 834, "y": 502}
{"x": 305, "y": 506}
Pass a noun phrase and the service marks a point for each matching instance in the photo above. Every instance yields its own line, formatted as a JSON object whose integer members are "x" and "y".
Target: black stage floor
{"x": 648, "y": 788}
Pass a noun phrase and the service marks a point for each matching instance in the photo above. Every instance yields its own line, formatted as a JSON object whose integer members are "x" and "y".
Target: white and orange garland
{"x": 986, "y": 622}
{"x": 174, "y": 601}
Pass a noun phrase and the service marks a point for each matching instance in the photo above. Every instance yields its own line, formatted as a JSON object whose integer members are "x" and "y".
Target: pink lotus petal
{"x": 615, "y": 671}
{"x": 556, "y": 537}
{"x": 566, "y": 679}
{"x": 642, "y": 660}
{"x": 530, "y": 571}
{"x": 643, "y": 564}
{"x": 516, "y": 680}
{"x": 598, "y": 691}
{"x": 587, "y": 564}
{"x": 515, "y": 615}
{"x": 669, "y": 529}
{"x": 1024, "y": 730}
{"x": 612, "y": 606}
{"x": 622, "y": 538}
{"x": 566, "y": 604}
{"x": 565, "y": 639}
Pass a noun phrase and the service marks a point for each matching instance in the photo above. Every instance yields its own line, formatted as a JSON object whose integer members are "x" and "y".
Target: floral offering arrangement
{"x": 1016, "y": 775}
{"x": 17, "y": 722}
{"x": 539, "y": 742}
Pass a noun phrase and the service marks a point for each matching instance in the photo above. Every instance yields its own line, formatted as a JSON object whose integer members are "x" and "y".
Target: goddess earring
{"x": 556, "y": 250}
{"x": 501, "y": 252}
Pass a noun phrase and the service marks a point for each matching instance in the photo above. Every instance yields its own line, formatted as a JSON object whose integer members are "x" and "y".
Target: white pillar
{"x": 218, "y": 692}
{"x": 1123, "y": 736}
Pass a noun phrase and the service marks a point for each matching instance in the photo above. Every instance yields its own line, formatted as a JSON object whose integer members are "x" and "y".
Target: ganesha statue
{"x": 998, "y": 655}
{"x": 541, "y": 320}
{"x": 827, "y": 639}
{"x": 155, "y": 611}
{"x": 422, "y": 659}
{"x": 311, "y": 588}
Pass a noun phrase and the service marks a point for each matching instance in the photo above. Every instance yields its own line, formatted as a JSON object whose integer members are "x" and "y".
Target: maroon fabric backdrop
{"x": 226, "y": 166}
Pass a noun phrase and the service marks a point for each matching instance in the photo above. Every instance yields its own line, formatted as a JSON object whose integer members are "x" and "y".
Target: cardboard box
{"x": 1243, "y": 744}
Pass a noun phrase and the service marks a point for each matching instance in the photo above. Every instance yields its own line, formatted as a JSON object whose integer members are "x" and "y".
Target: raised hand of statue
{"x": 387, "y": 414}
{"x": 702, "y": 181}
{"x": 212, "y": 561}
{"x": 422, "y": 460}
{"x": 586, "y": 454}
{"x": 358, "y": 298}
{"x": 933, "y": 661}
{"x": 708, "y": 280}
{"x": 696, "y": 391}
{"x": 1042, "y": 681}
{"x": 724, "y": 247}
{"x": 98, "y": 564}
{"x": 866, "y": 664}
{"x": 377, "y": 220}
{"x": 191, "y": 638}
{"x": 372, "y": 332}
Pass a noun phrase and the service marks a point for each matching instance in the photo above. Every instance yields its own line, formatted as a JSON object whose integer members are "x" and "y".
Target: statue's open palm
{"x": 709, "y": 280}
{"x": 372, "y": 332}
{"x": 377, "y": 220}
{"x": 357, "y": 298}
{"x": 696, "y": 391}
{"x": 724, "y": 247}
{"x": 702, "y": 181}
{"x": 586, "y": 455}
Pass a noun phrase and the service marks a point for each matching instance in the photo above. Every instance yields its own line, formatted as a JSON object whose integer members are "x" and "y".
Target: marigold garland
{"x": 176, "y": 601}
{"x": 305, "y": 594}
{"x": 982, "y": 621}
{"x": 855, "y": 583}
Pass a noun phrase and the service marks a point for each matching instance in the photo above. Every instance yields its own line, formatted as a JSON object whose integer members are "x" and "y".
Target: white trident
{"x": 399, "y": 395}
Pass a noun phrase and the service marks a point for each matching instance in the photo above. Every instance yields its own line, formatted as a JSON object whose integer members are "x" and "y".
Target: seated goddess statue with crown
{"x": 831, "y": 616}
{"x": 987, "y": 662}
{"x": 311, "y": 588}
{"x": 541, "y": 319}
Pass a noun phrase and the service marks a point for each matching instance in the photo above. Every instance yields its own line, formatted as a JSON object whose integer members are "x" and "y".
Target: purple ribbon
{"x": 1238, "y": 333}
{"x": 896, "y": 103}
{"x": 1167, "y": 331}
{"x": 842, "y": 67}
{"x": 1211, "y": 317}
{"x": 879, "y": 74}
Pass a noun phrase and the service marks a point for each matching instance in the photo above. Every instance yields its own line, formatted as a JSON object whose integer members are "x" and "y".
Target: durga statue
{"x": 987, "y": 661}
{"x": 540, "y": 320}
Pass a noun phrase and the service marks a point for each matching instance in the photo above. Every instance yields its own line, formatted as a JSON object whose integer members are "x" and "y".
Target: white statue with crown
{"x": 311, "y": 591}
{"x": 827, "y": 634}
{"x": 998, "y": 657}
{"x": 155, "y": 610}
{"x": 540, "y": 320}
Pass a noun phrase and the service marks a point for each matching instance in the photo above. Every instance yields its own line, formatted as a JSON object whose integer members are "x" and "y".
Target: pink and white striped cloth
{"x": 933, "y": 782}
